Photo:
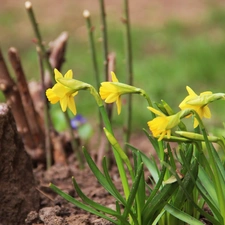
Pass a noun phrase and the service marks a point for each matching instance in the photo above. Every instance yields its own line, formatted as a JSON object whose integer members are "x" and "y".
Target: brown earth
{"x": 54, "y": 208}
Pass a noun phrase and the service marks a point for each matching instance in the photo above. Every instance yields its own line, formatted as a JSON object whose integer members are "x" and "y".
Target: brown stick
{"x": 10, "y": 90}
{"x": 56, "y": 56}
{"x": 57, "y": 50}
{"x": 31, "y": 114}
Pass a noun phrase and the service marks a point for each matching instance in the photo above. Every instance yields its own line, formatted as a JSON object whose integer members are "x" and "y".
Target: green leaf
{"x": 159, "y": 183}
{"x": 133, "y": 192}
{"x": 141, "y": 189}
{"x": 182, "y": 215}
{"x": 151, "y": 211}
{"x": 109, "y": 180}
{"x": 205, "y": 195}
{"x": 81, "y": 205}
{"x": 149, "y": 163}
{"x": 189, "y": 197}
{"x": 207, "y": 182}
{"x": 188, "y": 184}
{"x": 100, "y": 177}
{"x": 154, "y": 141}
{"x": 97, "y": 205}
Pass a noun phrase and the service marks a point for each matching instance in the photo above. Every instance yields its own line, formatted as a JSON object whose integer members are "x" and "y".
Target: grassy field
{"x": 167, "y": 57}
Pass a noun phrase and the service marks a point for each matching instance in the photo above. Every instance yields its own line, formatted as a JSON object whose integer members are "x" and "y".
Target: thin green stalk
{"x": 129, "y": 61}
{"x": 104, "y": 38}
{"x": 44, "y": 54}
{"x": 76, "y": 148}
{"x": 37, "y": 33}
{"x": 118, "y": 159}
{"x": 46, "y": 117}
{"x": 143, "y": 93}
{"x": 90, "y": 29}
{"x": 216, "y": 180}
{"x": 116, "y": 154}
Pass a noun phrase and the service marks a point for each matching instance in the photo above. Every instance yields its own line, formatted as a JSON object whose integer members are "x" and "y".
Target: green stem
{"x": 93, "y": 53}
{"x": 92, "y": 46}
{"x": 129, "y": 61}
{"x": 143, "y": 93}
{"x": 44, "y": 54}
{"x": 104, "y": 38}
{"x": 118, "y": 159}
{"x": 37, "y": 33}
{"x": 75, "y": 146}
{"x": 216, "y": 180}
{"x": 46, "y": 117}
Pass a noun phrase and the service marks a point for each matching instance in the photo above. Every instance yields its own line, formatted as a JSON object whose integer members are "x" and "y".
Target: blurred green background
{"x": 175, "y": 43}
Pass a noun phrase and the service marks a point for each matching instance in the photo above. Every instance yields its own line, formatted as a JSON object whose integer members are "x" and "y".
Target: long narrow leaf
{"x": 182, "y": 215}
{"x": 205, "y": 195}
{"x": 158, "y": 202}
{"x": 207, "y": 182}
{"x": 209, "y": 217}
{"x": 133, "y": 192}
{"x": 141, "y": 189}
{"x": 100, "y": 177}
{"x": 149, "y": 163}
{"x": 109, "y": 180}
{"x": 96, "y": 205}
{"x": 152, "y": 140}
{"x": 219, "y": 164}
{"x": 158, "y": 185}
{"x": 81, "y": 205}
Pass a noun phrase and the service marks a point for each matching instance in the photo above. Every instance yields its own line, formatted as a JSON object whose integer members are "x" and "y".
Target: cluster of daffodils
{"x": 66, "y": 88}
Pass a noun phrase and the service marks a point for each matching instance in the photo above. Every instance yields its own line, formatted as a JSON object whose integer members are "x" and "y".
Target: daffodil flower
{"x": 197, "y": 103}
{"x": 61, "y": 93}
{"x": 112, "y": 91}
{"x": 162, "y": 125}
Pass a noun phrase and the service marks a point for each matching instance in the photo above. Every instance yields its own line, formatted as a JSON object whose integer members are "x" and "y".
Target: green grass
{"x": 165, "y": 61}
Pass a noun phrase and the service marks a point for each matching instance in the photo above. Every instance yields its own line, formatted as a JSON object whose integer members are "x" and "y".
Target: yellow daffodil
{"x": 197, "y": 103}
{"x": 162, "y": 125}
{"x": 112, "y": 91}
{"x": 61, "y": 93}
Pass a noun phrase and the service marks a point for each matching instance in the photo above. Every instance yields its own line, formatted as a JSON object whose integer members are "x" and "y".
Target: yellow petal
{"x": 71, "y": 105}
{"x": 69, "y": 74}
{"x": 118, "y": 104}
{"x": 75, "y": 93}
{"x": 168, "y": 134}
{"x": 206, "y": 93}
{"x": 57, "y": 74}
{"x": 64, "y": 103}
{"x": 114, "y": 78}
{"x": 111, "y": 98}
{"x": 195, "y": 123}
{"x": 190, "y": 91}
{"x": 162, "y": 136}
{"x": 157, "y": 112}
{"x": 206, "y": 112}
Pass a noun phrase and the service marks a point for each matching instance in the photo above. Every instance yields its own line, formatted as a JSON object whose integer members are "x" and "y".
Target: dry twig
{"x": 10, "y": 90}
{"x": 31, "y": 114}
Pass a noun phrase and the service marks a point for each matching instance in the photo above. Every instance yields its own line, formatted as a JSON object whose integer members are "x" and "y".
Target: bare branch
{"x": 10, "y": 90}
{"x": 31, "y": 114}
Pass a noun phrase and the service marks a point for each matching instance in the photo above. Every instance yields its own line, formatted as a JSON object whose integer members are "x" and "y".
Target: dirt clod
{"x": 18, "y": 195}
